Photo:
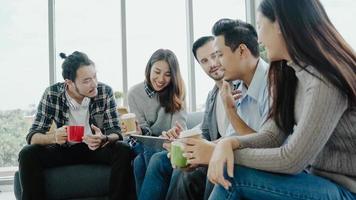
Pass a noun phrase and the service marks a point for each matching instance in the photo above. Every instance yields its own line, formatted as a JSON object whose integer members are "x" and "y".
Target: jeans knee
{"x": 139, "y": 163}
{"x": 242, "y": 173}
{"x": 157, "y": 160}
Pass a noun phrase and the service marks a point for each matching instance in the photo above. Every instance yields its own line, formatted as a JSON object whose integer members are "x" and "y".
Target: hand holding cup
{"x": 178, "y": 148}
{"x": 129, "y": 124}
{"x": 60, "y": 135}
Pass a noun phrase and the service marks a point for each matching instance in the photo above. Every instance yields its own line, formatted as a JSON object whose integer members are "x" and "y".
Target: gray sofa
{"x": 83, "y": 182}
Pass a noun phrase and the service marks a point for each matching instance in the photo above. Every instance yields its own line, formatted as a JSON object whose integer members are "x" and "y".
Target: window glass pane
{"x": 152, "y": 25}
{"x": 341, "y": 14}
{"x": 92, "y": 27}
{"x": 24, "y": 64}
{"x": 206, "y": 13}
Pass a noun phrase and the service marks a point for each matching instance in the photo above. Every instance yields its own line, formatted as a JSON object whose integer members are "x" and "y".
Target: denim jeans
{"x": 255, "y": 184}
{"x": 140, "y": 164}
{"x": 158, "y": 177}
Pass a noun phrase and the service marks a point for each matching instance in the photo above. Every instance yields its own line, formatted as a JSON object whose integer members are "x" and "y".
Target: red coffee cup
{"x": 75, "y": 133}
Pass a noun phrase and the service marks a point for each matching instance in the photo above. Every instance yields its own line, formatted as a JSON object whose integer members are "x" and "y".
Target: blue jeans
{"x": 157, "y": 179}
{"x": 140, "y": 164}
{"x": 255, "y": 184}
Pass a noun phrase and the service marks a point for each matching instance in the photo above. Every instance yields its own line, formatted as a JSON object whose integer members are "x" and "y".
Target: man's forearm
{"x": 237, "y": 123}
{"x": 43, "y": 139}
{"x": 113, "y": 137}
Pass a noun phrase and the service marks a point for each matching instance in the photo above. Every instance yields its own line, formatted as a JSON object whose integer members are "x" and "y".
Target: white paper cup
{"x": 192, "y": 133}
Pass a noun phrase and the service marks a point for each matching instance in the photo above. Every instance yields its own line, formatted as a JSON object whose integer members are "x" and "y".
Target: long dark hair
{"x": 311, "y": 40}
{"x": 172, "y": 96}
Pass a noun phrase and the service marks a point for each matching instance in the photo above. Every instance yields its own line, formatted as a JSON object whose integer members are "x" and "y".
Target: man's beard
{"x": 215, "y": 78}
{"x": 77, "y": 90}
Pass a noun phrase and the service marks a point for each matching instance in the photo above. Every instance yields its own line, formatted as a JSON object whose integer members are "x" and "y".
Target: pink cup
{"x": 75, "y": 133}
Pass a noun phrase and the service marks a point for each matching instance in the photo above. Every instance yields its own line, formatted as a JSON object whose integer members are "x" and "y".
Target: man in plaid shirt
{"x": 80, "y": 100}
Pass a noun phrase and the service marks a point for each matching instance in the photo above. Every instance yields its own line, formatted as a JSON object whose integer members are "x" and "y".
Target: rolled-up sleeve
{"x": 43, "y": 118}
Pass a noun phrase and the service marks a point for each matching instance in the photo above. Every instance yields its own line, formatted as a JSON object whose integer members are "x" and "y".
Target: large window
{"x": 341, "y": 14}
{"x": 92, "y": 27}
{"x": 25, "y": 74}
{"x": 206, "y": 13}
{"x": 152, "y": 25}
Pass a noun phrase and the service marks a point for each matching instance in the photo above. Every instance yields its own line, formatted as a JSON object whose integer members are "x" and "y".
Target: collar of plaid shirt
{"x": 75, "y": 105}
{"x": 149, "y": 91}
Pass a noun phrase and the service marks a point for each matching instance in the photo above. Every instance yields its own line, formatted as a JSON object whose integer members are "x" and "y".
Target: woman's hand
{"x": 124, "y": 128}
{"x": 173, "y": 133}
{"x": 223, "y": 154}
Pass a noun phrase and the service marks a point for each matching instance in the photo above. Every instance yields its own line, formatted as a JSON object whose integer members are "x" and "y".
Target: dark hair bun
{"x": 63, "y": 55}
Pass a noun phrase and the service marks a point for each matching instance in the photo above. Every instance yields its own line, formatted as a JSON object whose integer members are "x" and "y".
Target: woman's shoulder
{"x": 312, "y": 82}
{"x": 137, "y": 90}
{"x": 310, "y": 76}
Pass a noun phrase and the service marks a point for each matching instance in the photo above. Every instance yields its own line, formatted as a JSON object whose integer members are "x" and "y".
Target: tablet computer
{"x": 151, "y": 141}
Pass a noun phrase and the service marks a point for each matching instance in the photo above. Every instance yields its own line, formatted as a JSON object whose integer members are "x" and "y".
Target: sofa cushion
{"x": 73, "y": 182}
{"x": 17, "y": 186}
{"x": 194, "y": 119}
{"x": 76, "y": 181}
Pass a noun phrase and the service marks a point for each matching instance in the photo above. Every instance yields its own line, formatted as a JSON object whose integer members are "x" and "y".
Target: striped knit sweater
{"x": 324, "y": 135}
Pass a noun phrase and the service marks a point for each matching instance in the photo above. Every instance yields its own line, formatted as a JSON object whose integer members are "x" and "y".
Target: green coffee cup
{"x": 177, "y": 157}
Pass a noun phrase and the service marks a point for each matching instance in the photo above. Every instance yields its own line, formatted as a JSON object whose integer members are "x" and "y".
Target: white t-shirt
{"x": 79, "y": 113}
{"x": 221, "y": 117}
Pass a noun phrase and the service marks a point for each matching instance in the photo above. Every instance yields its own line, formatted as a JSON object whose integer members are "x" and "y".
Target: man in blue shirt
{"x": 236, "y": 48}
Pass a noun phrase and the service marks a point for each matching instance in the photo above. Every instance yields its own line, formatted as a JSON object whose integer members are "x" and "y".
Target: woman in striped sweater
{"x": 312, "y": 121}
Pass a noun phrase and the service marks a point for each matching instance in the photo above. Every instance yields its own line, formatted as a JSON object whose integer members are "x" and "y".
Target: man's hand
{"x": 60, "y": 135}
{"x": 198, "y": 151}
{"x": 190, "y": 167}
{"x": 229, "y": 97}
{"x": 94, "y": 141}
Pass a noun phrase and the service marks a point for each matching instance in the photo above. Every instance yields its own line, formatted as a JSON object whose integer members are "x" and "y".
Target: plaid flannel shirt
{"x": 53, "y": 107}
